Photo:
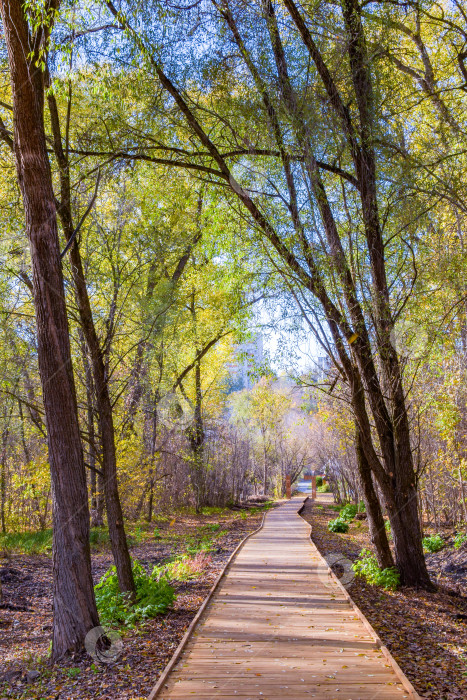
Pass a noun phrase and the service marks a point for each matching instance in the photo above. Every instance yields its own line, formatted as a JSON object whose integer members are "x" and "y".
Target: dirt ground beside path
{"x": 26, "y": 615}
{"x": 425, "y": 632}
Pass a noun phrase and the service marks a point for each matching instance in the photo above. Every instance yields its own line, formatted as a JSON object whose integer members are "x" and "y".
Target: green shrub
{"x": 367, "y": 567}
{"x": 325, "y": 488}
{"x": 433, "y": 543}
{"x": 319, "y": 481}
{"x": 348, "y": 512}
{"x": 338, "y": 525}
{"x": 153, "y": 596}
{"x": 157, "y": 534}
{"x": 459, "y": 540}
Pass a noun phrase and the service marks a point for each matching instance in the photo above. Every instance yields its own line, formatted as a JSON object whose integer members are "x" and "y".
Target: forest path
{"x": 279, "y": 627}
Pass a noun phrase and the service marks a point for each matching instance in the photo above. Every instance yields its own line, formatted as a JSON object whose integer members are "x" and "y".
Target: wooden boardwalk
{"x": 279, "y": 627}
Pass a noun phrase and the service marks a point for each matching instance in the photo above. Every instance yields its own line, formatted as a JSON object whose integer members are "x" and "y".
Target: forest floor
{"x": 425, "y": 632}
{"x": 26, "y": 611}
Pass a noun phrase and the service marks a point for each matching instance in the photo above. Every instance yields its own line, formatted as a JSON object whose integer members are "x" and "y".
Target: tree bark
{"x": 74, "y": 603}
{"x": 376, "y": 526}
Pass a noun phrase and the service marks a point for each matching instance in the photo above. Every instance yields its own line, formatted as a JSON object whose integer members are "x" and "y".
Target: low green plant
{"x": 367, "y": 567}
{"x": 459, "y": 540}
{"x": 201, "y": 543}
{"x": 157, "y": 534}
{"x": 433, "y": 543}
{"x": 153, "y": 596}
{"x": 349, "y": 511}
{"x": 324, "y": 488}
{"x": 319, "y": 481}
{"x": 72, "y": 672}
{"x": 338, "y": 525}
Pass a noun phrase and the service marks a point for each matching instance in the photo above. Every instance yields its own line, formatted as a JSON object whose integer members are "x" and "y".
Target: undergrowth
{"x": 338, "y": 525}
{"x": 367, "y": 567}
{"x": 433, "y": 543}
{"x": 154, "y": 595}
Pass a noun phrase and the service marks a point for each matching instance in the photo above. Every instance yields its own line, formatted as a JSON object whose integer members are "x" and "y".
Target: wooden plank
{"x": 280, "y": 626}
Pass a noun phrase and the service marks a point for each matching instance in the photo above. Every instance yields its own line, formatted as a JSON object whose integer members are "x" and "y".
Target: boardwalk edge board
{"x": 384, "y": 650}
{"x": 186, "y": 637}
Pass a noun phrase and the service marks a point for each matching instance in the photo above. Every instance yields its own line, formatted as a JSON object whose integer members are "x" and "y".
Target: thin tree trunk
{"x": 115, "y": 521}
{"x": 74, "y": 603}
{"x": 97, "y": 503}
{"x": 3, "y": 478}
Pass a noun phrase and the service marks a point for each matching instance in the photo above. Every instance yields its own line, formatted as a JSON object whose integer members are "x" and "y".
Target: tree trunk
{"x": 115, "y": 522}
{"x": 376, "y": 526}
{"x": 74, "y": 603}
{"x": 196, "y": 437}
{"x": 3, "y": 479}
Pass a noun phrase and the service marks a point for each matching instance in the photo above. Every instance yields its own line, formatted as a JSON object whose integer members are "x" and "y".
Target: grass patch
{"x": 99, "y": 537}
{"x": 27, "y": 542}
{"x": 185, "y": 567}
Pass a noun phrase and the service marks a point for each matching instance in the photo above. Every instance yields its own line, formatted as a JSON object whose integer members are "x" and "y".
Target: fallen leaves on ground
{"x": 425, "y": 632}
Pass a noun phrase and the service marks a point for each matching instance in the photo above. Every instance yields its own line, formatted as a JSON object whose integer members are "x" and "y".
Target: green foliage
{"x": 319, "y": 481}
{"x": 153, "y": 596}
{"x": 325, "y": 488}
{"x": 459, "y": 540}
{"x": 367, "y": 567}
{"x": 338, "y": 525}
{"x": 348, "y": 512}
{"x": 433, "y": 543}
{"x": 73, "y": 672}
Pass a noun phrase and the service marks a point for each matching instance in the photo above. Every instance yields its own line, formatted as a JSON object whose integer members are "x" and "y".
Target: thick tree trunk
{"x": 115, "y": 522}
{"x": 74, "y": 604}
{"x": 376, "y": 526}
